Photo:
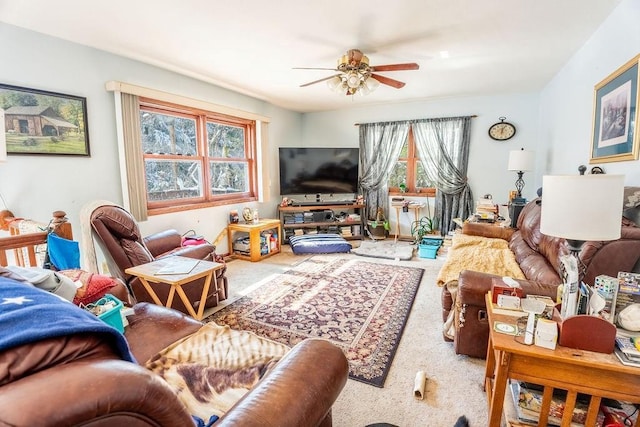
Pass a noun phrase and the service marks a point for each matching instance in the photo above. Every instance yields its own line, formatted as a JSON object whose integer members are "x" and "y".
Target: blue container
{"x": 427, "y": 251}
{"x": 428, "y": 247}
{"x": 431, "y": 240}
{"x": 112, "y": 317}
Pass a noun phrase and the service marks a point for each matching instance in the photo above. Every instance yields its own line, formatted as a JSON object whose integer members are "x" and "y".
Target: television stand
{"x": 307, "y": 204}
{"x": 299, "y": 219}
{"x": 321, "y": 204}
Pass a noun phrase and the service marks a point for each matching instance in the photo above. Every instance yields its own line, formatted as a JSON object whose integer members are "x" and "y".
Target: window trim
{"x": 412, "y": 160}
{"x": 131, "y": 165}
{"x": 201, "y": 118}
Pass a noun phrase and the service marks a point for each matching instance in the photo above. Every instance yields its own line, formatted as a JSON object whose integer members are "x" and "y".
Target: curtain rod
{"x": 415, "y": 120}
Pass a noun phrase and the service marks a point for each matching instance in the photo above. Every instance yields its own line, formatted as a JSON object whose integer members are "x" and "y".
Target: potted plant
{"x": 422, "y": 227}
{"x": 379, "y": 228}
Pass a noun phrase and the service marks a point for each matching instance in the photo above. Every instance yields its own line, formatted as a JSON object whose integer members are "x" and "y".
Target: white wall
{"x": 566, "y": 103}
{"x": 35, "y": 186}
{"x": 487, "y": 159}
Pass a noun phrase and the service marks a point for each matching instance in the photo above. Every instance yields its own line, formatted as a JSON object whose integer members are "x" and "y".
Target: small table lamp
{"x": 582, "y": 208}
{"x": 520, "y": 161}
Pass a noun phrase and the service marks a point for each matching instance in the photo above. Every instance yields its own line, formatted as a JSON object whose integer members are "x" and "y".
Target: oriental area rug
{"x": 362, "y": 307}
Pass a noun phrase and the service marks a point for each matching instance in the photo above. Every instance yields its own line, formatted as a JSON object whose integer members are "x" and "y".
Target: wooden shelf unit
{"x": 321, "y": 226}
{"x": 254, "y": 232}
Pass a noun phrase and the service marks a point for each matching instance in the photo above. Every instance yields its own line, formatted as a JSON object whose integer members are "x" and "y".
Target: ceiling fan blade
{"x": 312, "y": 68}
{"x": 318, "y": 81}
{"x": 387, "y": 81}
{"x": 396, "y": 67}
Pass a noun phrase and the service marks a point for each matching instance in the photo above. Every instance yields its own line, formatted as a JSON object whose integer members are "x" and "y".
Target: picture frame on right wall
{"x": 615, "y": 134}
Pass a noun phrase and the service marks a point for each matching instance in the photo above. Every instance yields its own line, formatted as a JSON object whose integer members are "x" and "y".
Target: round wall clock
{"x": 502, "y": 130}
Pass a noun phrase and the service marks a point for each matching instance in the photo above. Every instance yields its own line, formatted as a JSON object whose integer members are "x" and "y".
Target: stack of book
{"x": 625, "y": 350}
{"x": 346, "y": 231}
{"x": 486, "y": 211}
{"x": 527, "y": 399}
{"x": 397, "y": 201}
{"x": 527, "y": 402}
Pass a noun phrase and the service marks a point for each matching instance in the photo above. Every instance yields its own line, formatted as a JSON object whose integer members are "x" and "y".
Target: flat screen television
{"x": 318, "y": 170}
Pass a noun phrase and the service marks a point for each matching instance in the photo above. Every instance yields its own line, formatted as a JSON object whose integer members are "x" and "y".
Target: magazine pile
{"x": 527, "y": 400}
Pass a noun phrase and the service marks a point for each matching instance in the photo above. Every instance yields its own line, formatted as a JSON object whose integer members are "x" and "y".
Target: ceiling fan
{"x": 356, "y": 75}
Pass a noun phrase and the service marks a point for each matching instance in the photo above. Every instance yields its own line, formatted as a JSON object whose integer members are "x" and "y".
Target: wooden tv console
{"x": 288, "y": 226}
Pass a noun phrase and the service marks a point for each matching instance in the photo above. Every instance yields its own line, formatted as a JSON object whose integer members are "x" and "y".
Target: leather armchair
{"x": 80, "y": 380}
{"x": 118, "y": 235}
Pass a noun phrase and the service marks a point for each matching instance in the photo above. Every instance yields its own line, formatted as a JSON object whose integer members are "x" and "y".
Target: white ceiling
{"x": 251, "y": 46}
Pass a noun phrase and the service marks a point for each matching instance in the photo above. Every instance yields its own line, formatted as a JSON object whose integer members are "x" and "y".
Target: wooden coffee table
{"x": 576, "y": 371}
{"x": 152, "y": 272}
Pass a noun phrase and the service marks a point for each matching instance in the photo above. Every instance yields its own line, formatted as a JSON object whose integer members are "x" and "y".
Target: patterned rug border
{"x": 370, "y": 340}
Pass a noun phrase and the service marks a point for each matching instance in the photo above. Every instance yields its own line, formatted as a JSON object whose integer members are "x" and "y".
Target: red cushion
{"x": 94, "y": 286}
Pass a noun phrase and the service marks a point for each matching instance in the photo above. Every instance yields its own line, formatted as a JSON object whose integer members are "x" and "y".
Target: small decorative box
{"x": 499, "y": 287}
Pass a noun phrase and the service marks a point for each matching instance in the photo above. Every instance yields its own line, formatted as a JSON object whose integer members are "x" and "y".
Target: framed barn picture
{"x": 41, "y": 122}
{"x": 615, "y": 116}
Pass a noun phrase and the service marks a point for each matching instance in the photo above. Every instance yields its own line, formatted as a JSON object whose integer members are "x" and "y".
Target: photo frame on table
{"x": 616, "y": 134}
{"x": 41, "y": 122}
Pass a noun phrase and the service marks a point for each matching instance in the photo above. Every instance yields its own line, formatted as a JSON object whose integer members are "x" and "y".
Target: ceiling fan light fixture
{"x": 335, "y": 83}
{"x": 355, "y": 75}
{"x": 368, "y": 85}
{"x": 353, "y": 79}
{"x": 371, "y": 83}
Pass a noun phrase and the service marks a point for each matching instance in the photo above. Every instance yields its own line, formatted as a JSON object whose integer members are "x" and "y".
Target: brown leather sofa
{"x": 80, "y": 380}
{"x": 123, "y": 246}
{"x": 539, "y": 258}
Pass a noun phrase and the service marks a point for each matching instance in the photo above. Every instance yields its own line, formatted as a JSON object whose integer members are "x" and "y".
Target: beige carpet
{"x": 454, "y": 384}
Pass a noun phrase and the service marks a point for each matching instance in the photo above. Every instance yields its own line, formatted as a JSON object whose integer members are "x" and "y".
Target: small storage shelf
{"x": 322, "y": 218}
{"x": 259, "y": 246}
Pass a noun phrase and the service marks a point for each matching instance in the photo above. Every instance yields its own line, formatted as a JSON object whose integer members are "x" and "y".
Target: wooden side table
{"x": 416, "y": 213}
{"x": 254, "y": 231}
{"x": 150, "y": 272}
{"x": 598, "y": 375}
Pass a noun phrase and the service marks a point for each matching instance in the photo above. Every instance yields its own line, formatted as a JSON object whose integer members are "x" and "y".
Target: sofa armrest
{"x": 298, "y": 392}
{"x": 206, "y": 251}
{"x": 473, "y": 285}
{"x": 487, "y": 230}
{"x": 102, "y": 392}
{"x": 163, "y": 242}
{"x": 152, "y": 328}
{"x": 613, "y": 256}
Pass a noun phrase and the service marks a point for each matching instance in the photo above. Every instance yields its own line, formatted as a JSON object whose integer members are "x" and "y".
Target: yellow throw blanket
{"x": 481, "y": 254}
{"x": 213, "y": 368}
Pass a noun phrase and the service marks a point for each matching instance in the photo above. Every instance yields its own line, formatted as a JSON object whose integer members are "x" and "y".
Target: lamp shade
{"x": 521, "y": 160}
{"x": 582, "y": 207}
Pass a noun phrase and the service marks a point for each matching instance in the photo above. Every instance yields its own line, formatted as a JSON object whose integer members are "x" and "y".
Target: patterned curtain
{"x": 443, "y": 147}
{"x": 380, "y": 145}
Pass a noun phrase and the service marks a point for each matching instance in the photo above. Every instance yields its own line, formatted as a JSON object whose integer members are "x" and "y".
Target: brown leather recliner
{"x": 79, "y": 379}
{"x": 123, "y": 246}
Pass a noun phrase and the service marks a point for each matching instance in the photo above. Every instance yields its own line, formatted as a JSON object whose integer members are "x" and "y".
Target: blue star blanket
{"x": 29, "y": 314}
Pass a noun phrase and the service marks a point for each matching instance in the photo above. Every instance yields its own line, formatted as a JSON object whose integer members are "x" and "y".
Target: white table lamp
{"x": 521, "y": 161}
{"x": 580, "y": 208}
